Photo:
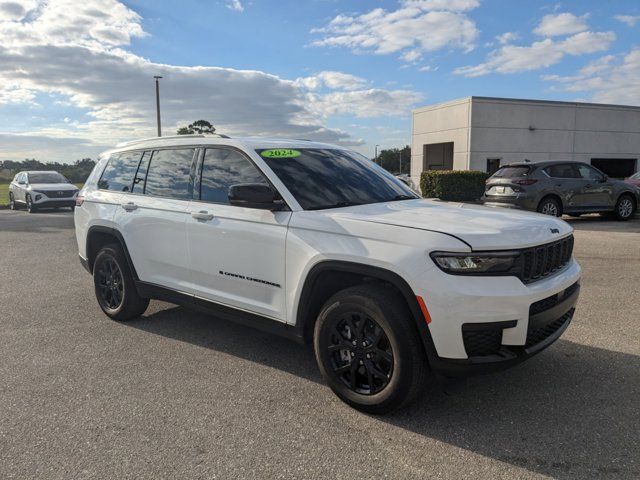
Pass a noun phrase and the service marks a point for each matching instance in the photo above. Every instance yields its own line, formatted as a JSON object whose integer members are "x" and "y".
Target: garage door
{"x": 616, "y": 167}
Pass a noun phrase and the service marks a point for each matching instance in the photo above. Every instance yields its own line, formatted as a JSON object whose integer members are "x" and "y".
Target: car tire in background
{"x": 12, "y": 202}
{"x": 30, "y": 207}
{"x": 625, "y": 207}
{"x": 368, "y": 349}
{"x": 550, "y": 206}
{"x": 114, "y": 285}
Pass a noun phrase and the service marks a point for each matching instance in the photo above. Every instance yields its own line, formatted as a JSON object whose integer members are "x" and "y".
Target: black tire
{"x": 625, "y": 207}
{"x": 550, "y": 206}
{"x": 114, "y": 285}
{"x": 387, "y": 367}
{"x": 30, "y": 207}
{"x": 12, "y": 202}
{"x": 72, "y": 208}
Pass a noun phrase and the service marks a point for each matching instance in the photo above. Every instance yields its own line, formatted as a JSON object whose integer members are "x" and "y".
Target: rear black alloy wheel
{"x": 12, "y": 202}
{"x": 110, "y": 284}
{"x": 369, "y": 350}
{"x": 360, "y": 352}
{"x": 114, "y": 285}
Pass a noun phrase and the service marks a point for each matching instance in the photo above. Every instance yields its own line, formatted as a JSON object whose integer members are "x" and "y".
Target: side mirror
{"x": 254, "y": 195}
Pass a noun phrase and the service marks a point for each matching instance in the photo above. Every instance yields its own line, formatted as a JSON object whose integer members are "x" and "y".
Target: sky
{"x": 76, "y": 76}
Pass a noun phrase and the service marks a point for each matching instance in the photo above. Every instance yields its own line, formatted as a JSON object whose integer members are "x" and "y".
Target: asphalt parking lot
{"x": 177, "y": 394}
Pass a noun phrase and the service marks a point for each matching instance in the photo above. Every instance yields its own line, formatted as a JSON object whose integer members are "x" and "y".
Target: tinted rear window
{"x": 170, "y": 174}
{"x": 512, "y": 172}
{"x": 118, "y": 174}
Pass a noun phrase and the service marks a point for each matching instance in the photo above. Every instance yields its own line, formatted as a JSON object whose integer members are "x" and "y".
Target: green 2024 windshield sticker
{"x": 280, "y": 153}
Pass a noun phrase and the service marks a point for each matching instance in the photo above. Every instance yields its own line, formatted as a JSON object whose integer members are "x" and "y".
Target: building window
{"x": 493, "y": 164}
{"x": 616, "y": 167}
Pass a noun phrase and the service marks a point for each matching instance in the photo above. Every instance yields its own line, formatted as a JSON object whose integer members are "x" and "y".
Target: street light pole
{"x": 375, "y": 160}
{"x": 400, "y": 154}
{"x": 158, "y": 77}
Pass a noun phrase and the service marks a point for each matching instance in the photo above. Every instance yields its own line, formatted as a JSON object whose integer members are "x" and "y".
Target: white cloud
{"x": 79, "y": 56}
{"x": 415, "y": 28}
{"x": 608, "y": 80}
{"x": 629, "y": 20}
{"x": 510, "y": 58}
{"x": 556, "y": 24}
{"x": 373, "y": 102}
{"x": 333, "y": 80}
{"x": 235, "y": 5}
{"x": 15, "y": 10}
{"x": 507, "y": 37}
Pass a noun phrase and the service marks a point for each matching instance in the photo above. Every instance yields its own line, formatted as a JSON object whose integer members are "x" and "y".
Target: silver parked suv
{"x": 556, "y": 188}
{"x": 47, "y": 189}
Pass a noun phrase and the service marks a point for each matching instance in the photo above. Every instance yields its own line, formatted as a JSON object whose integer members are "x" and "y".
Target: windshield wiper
{"x": 334, "y": 205}
{"x": 403, "y": 197}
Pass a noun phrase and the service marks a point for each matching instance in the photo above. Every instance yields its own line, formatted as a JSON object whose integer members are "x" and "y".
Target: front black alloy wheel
{"x": 369, "y": 350}
{"x": 360, "y": 352}
{"x": 114, "y": 285}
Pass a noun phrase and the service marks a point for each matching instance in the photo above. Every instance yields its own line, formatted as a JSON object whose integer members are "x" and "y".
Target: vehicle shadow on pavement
{"x": 571, "y": 412}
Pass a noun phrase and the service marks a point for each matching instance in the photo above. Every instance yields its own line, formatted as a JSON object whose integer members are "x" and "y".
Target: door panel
{"x": 595, "y": 192}
{"x": 237, "y": 257}
{"x": 237, "y": 253}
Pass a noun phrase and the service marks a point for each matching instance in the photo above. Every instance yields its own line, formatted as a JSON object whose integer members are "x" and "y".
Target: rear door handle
{"x": 202, "y": 215}
{"x": 129, "y": 207}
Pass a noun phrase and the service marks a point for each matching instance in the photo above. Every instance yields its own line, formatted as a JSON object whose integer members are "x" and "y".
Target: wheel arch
{"x": 330, "y": 276}
{"x": 97, "y": 237}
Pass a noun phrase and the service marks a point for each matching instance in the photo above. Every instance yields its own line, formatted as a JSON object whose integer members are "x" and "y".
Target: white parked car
{"x": 318, "y": 243}
{"x": 41, "y": 189}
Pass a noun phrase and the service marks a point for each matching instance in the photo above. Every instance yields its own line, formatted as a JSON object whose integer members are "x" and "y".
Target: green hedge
{"x": 453, "y": 185}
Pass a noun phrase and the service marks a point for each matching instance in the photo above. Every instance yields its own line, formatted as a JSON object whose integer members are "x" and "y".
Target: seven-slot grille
{"x": 543, "y": 260}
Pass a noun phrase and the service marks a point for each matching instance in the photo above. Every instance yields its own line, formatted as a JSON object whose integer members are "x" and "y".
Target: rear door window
{"x": 118, "y": 174}
{"x": 223, "y": 167}
{"x": 564, "y": 170}
{"x": 170, "y": 174}
{"x": 512, "y": 172}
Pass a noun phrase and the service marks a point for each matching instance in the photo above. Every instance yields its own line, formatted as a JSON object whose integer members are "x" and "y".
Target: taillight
{"x": 529, "y": 181}
{"x": 79, "y": 201}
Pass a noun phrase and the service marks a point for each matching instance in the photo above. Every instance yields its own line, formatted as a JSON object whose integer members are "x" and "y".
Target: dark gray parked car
{"x": 554, "y": 188}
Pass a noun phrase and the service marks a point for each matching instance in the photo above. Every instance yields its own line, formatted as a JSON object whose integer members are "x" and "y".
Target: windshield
{"x": 47, "y": 177}
{"x": 511, "y": 172}
{"x": 324, "y": 178}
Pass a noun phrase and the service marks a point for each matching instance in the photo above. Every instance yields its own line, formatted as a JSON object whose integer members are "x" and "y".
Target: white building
{"x": 481, "y": 133}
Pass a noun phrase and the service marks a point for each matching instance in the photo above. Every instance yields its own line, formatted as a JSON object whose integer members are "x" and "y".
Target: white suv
{"x": 41, "y": 189}
{"x": 318, "y": 243}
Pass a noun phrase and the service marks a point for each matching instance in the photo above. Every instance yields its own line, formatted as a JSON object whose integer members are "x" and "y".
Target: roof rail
{"x": 150, "y": 139}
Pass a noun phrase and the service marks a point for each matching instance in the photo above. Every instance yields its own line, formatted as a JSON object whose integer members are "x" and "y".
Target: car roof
{"x": 249, "y": 143}
{"x": 540, "y": 164}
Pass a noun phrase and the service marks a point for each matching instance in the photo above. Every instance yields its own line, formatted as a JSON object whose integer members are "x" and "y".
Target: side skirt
{"x": 253, "y": 320}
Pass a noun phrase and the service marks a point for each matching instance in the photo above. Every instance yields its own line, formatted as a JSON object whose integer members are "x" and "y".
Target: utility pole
{"x": 158, "y": 77}
{"x": 400, "y": 155}
{"x": 375, "y": 160}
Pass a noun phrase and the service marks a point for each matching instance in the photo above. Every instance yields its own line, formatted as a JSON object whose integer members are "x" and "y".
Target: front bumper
{"x": 502, "y": 312}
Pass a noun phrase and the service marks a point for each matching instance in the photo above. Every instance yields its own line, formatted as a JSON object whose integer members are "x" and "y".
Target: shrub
{"x": 453, "y": 185}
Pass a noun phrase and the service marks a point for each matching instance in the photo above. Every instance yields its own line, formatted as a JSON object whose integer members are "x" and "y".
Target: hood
{"x": 483, "y": 228}
{"x": 47, "y": 187}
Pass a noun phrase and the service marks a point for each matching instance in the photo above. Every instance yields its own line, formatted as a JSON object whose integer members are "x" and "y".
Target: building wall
{"x": 538, "y": 131}
{"x": 440, "y": 124}
{"x": 515, "y": 130}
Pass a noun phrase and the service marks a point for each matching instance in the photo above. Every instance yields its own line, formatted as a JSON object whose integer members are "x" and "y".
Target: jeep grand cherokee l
{"x": 318, "y": 243}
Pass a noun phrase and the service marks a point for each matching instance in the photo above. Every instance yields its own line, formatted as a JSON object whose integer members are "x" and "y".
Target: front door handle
{"x": 129, "y": 207}
{"x": 202, "y": 215}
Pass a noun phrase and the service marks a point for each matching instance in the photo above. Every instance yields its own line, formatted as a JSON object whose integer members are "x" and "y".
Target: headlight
{"x": 487, "y": 263}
